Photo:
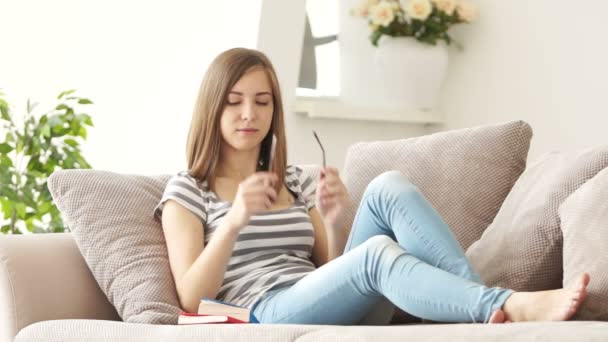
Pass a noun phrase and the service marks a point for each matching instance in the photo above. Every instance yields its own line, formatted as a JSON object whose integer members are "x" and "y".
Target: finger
{"x": 324, "y": 194}
{"x": 260, "y": 203}
{"x": 333, "y": 190}
{"x": 267, "y": 181}
{"x": 331, "y": 170}
{"x": 330, "y": 203}
{"x": 333, "y": 179}
{"x": 271, "y": 193}
{"x": 321, "y": 185}
{"x": 333, "y": 187}
{"x": 264, "y": 177}
{"x": 260, "y": 189}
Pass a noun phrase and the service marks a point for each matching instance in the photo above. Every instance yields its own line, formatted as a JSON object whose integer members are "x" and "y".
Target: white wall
{"x": 543, "y": 61}
{"x": 141, "y": 62}
{"x": 336, "y": 135}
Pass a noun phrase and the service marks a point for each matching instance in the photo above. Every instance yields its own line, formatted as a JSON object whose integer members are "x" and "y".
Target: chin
{"x": 244, "y": 145}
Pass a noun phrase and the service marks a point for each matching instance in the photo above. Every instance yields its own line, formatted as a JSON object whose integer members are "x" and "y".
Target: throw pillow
{"x": 522, "y": 249}
{"x": 584, "y": 223}
{"x": 110, "y": 216}
{"x": 466, "y": 174}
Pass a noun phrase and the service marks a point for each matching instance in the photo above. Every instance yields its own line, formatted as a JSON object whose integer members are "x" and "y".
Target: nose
{"x": 248, "y": 111}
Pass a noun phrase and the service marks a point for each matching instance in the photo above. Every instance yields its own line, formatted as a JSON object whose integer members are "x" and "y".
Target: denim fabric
{"x": 400, "y": 250}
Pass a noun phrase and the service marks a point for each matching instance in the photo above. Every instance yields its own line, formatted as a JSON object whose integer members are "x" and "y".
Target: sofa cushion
{"x": 584, "y": 224}
{"x": 42, "y": 277}
{"x": 514, "y": 332}
{"x": 522, "y": 249}
{"x": 89, "y": 330}
{"x": 92, "y": 330}
{"x": 110, "y": 216}
{"x": 465, "y": 174}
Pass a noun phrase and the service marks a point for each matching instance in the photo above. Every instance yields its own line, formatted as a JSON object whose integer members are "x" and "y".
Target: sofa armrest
{"x": 44, "y": 277}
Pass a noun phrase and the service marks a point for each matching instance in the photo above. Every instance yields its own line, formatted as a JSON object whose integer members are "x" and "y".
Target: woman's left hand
{"x": 331, "y": 197}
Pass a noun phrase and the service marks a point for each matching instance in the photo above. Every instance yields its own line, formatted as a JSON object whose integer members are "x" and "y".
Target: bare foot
{"x": 498, "y": 316}
{"x": 553, "y": 305}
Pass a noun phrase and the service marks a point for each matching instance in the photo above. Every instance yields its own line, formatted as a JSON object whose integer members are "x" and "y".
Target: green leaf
{"x": 85, "y": 101}
{"x": 75, "y": 126}
{"x": 46, "y": 131}
{"x": 62, "y": 106}
{"x": 6, "y": 161}
{"x": 28, "y": 197}
{"x": 81, "y": 162}
{"x": 67, "y": 92}
{"x": 71, "y": 142}
{"x": 37, "y": 174}
{"x": 19, "y": 146}
{"x": 35, "y": 146}
{"x": 375, "y": 36}
{"x": 20, "y": 207}
{"x": 34, "y": 164}
{"x": 29, "y": 223}
{"x": 45, "y": 207}
{"x": 8, "y": 192}
{"x": 5, "y": 148}
{"x": 7, "y": 207}
{"x": 82, "y": 132}
{"x": 9, "y": 137}
{"x": 4, "y": 110}
{"x": 85, "y": 118}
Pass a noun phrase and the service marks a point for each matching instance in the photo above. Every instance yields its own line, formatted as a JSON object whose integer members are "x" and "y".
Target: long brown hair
{"x": 205, "y": 138}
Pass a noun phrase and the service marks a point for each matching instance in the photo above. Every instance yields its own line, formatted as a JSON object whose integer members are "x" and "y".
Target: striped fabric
{"x": 274, "y": 250}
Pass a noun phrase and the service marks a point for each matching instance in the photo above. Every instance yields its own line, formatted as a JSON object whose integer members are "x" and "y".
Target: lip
{"x": 247, "y": 130}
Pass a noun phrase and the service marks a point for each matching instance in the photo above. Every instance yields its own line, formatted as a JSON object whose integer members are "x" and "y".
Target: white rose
{"x": 382, "y": 14}
{"x": 447, "y": 6}
{"x": 419, "y": 9}
{"x": 466, "y": 11}
{"x": 362, "y": 10}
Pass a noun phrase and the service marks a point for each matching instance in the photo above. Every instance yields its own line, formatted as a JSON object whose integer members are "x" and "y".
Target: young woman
{"x": 269, "y": 238}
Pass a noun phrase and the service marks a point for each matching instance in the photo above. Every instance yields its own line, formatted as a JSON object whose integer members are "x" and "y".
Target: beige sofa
{"x": 49, "y": 291}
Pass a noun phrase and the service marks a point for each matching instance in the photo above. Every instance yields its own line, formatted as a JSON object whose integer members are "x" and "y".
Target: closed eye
{"x": 238, "y": 103}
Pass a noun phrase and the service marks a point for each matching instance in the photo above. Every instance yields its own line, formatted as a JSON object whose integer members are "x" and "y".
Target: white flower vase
{"x": 411, "y": 73}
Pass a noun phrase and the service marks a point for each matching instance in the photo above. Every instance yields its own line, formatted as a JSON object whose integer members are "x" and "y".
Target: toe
{"x": 498, "y": 316}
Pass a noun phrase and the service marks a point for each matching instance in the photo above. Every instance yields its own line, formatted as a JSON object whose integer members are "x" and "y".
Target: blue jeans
{"x": 399, "y": 249}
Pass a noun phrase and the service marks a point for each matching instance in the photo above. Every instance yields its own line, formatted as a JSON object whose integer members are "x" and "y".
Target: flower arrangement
{"x": 426, "y": 20}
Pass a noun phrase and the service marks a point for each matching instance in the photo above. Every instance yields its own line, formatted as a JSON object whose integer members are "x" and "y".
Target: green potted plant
{"x": 29, "y": 152}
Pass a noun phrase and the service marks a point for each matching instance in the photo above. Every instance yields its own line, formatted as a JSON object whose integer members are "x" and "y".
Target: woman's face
{"x": 247, "y": 114}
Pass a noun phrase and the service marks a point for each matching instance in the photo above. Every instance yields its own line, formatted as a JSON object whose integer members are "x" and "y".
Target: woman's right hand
{"x": 254, "y": 195}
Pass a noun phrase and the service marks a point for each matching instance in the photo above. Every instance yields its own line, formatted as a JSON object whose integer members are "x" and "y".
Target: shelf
{"x": 332, "y": 108}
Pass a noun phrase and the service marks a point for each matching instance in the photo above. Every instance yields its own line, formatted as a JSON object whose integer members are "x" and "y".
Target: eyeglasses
{"x": 321, "y": 146}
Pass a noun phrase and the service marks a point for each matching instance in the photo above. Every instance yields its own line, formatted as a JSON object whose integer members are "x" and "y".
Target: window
{"x": 319, "y": 66}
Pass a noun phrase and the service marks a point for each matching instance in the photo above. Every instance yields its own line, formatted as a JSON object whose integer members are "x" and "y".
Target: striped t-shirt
{"x": 274, "y": 250}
